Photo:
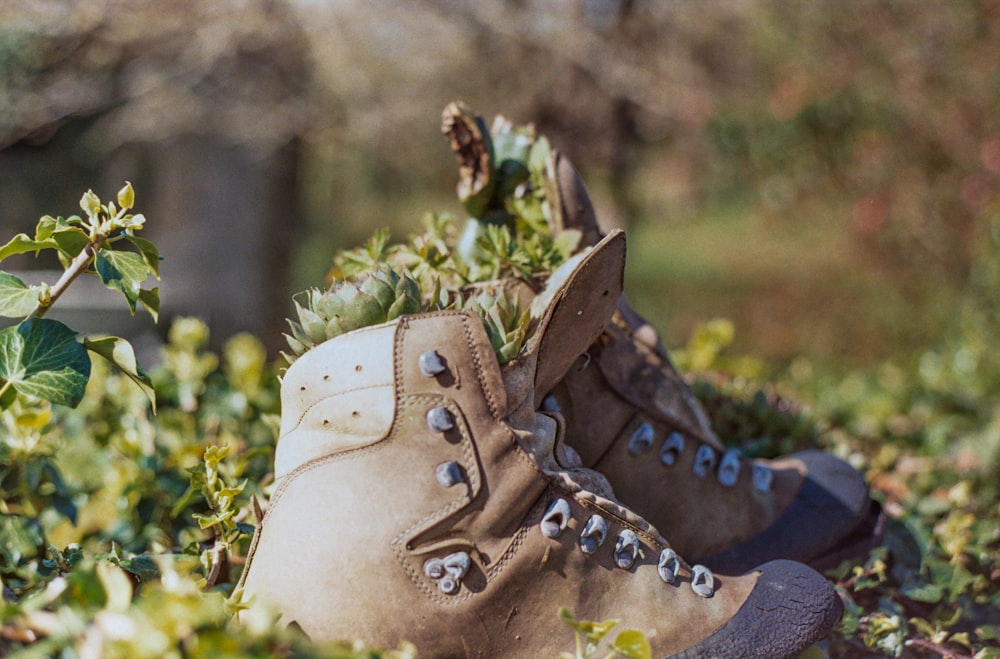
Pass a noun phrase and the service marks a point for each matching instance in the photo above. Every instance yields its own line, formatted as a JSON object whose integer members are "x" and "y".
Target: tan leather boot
{"x": 632, "y": 417}
{"x": 419, "y": 497}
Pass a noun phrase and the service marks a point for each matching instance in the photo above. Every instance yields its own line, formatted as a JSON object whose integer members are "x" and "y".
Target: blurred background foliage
{"x": 816, "y": 172}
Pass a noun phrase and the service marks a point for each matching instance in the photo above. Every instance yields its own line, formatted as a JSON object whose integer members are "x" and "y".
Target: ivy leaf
{"x": 149, "y": 253}
{"x": 119, "y": 352}
{"x": 17, "y": 299}
{"x": 930, "y": 593}
{"x": 22, "y": 244}
{"x": 70, "y": 241}
{"x": 41, "y": 357}
{"x": 117, "y": 587}
{"x": 122, "y": 271}
{"x": 151, "y": 301}
{"x": 21, "y": 537}
{"x": 594, "y": 631}
{"x": 632, "y": 643}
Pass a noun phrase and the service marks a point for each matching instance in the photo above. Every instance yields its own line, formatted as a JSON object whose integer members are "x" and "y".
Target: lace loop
{"x": 593, "y": 534}
{"x": 704, "y": 461}
{"x": 556, "y": 518}
{"x": 641, "y": 439}
{"x": 672, "y": 448}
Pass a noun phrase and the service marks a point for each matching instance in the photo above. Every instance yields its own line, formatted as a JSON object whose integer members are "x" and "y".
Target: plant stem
{"x": 76, "y": 268}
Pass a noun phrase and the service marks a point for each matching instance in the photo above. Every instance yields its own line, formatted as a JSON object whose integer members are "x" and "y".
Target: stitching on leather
{"x": 478, "y": 366}
{"x": 436, "y": 517}
{"x": 378, "y": 444}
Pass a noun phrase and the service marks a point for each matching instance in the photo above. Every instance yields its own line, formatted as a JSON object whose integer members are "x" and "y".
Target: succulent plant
{"x": 506, "y": 324}
{"x": 375, "y": 297}
{"x": 505, "y": 185}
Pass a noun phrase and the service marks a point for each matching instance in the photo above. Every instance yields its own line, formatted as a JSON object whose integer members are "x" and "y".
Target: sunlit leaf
{"x": 633, "y": 643}
{"x": 43, "y": 358}
{"x": 17, "y": 299}
{"x": 149, "y": 253}
{"x": 117, "y": 587}
{"x": 119, "y": 352}
{"x": 22, "y": 244}
{"x": 122, "y": 271}
{"x": 151, "y": 302}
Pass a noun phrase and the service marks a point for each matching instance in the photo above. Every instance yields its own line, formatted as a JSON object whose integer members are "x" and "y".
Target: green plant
{"x": 504, "y": 184}
{"x": 44, "y": 362}
{"x": 588, "y": 636}
{"x": 43, "y": 358}
{"x": 121, "y": 531}
{"x": 376, "y": 296}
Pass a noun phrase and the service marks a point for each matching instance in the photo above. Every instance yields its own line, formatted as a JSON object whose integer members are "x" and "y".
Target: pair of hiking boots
{"x": 426, "y": 493}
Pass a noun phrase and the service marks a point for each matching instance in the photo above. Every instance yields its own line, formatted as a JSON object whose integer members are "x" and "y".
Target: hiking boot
{"x": 632, "y": 417}
{"x": 420, "y": 496}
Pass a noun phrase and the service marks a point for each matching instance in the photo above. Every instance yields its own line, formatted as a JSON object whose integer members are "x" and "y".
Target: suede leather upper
{"x": 352, "y": 541}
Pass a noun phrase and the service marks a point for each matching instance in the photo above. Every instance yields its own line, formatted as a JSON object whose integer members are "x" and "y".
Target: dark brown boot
{"x": 632, "y": 417}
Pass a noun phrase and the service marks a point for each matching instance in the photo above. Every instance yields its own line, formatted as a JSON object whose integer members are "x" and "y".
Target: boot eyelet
{"x": 702, "y": 581}
{"x": 457, "y": 565}
{"x": 555, "y": 519}
{"x": 439, "y": 419}
{"x": 448, "y": 585}
{"x": 641, "y": 439}
{"x": 704, "y": 460}
{"x": 669, "y": 565}
{"x": 729, "y": 467}
{"x": 626, "y": 549}
{"x": 449, "y": 473}
{"x": 672, "y": 448}
{"x": 593, "y": 534}
{"x": 434, "y": 568}
{"x": 763, "y": 477}
{"x": 431, "y": 364}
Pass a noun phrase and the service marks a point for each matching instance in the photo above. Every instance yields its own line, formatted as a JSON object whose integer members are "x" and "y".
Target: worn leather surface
{"x": 816, "y": 503}
{"x": 342, "y": 548}
{"x": 606, "y": 402}
{"x": 577, "y": 305}
{"x": 342, "y": 397}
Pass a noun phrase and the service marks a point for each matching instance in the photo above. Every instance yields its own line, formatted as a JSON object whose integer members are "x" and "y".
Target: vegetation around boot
{"x": 94, "y": 487}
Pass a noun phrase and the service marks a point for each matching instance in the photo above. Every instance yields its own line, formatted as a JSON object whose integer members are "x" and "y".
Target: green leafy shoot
{"x": 44, "y": 358}
{"x": 504, "y": 182}
{"x": 588, "y": 635}
{"x": 373, "y": 253}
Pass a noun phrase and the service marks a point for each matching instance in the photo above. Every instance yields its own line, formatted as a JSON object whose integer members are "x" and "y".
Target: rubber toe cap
{"x": 791, "y": 607}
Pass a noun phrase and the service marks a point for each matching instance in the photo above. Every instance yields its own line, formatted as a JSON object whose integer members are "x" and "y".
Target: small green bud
{"x": 126, "y": 196}
{"x": 90, "y": 203}
{"x": 133, "y": 221}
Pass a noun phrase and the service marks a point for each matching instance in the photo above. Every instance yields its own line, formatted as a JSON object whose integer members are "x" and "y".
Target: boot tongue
{"x": 572, "y": 208}
{"x": 573, "y": 310}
